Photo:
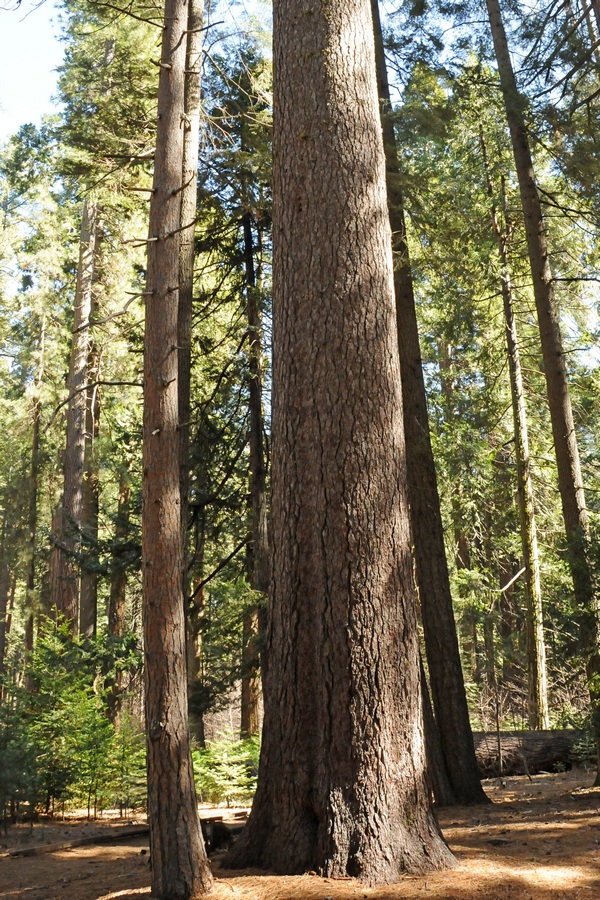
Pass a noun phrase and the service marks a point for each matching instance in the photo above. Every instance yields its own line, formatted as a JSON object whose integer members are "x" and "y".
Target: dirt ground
{"x": 539, "y": 841}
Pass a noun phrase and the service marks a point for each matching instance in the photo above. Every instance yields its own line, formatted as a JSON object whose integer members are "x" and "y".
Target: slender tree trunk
{"x": 189, "y": 193}
{"x": 179, "y": 864}
{"x": 4, "y": 592}
{"x": 189, "y": 196}
{"x": 343, "y": 674}
{"x": 194, "y": 644}
{"x": 258, "y": 555}
{"x": 118, "y": 584}
{"x": 91, "y": 504}
{"x": 436, "y": 763}
{"x": 433, "y": 582}
{"x": 65, "y": 596}
{"x": 31, "y": 605}
{"x": 507, "y": 625}
{"x": 536, "y": 647}
{"x": 570, "y": 481}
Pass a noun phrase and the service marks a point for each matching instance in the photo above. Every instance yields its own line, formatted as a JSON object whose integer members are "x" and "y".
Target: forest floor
{"x": 540, "y": 840}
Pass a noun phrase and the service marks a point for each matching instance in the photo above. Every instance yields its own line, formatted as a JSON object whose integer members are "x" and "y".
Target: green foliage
{"x": 226, "y": 771}
{"x": 58, "y": 744}
{"x": 128, "y": 764}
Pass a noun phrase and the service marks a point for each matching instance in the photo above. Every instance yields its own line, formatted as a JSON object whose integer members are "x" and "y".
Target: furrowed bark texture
{"x": 570, "y": 480}
{"x": 65, "y": 597}
{"x": 179, "y": 865}
{"x": 342, "y": 786}
{"x": 431, "y": 567}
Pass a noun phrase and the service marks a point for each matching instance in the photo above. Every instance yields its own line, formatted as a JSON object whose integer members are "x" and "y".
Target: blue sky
{"x": 29, "y": 52}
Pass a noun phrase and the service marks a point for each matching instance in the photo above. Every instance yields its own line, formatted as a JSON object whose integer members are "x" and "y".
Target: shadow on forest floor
{"x": 539, "y": 841}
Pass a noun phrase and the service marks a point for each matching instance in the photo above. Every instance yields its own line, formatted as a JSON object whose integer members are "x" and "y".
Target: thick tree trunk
{"x": 179, "y": 864}
{"x": 65, "y": 588}
{"x": 343, "y": 673}
{"x": 431, "y": 569}
{"x": 258, "y": 555}
{"x": 536, "y": 647}
{"x": 570, "y": 481}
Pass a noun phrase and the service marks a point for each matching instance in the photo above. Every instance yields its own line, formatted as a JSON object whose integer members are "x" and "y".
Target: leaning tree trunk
{"x": 431, "y": 568}
{"x": 179, "y": 864}
{"x": 570, "y": 481}
{"x": 342, "y": 783}
{"x": 65, "y": 587}
{"x": 436, "y": 764}
{"x": 536, "y": 647}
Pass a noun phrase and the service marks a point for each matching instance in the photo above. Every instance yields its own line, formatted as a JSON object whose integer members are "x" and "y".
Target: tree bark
{"x": 258, "y": 550}
{"x": 189, "y": 201}
{"x": 570, "y": 481}
{"x": 436, "y": 763}
{"x": 179, "y": 864}
{"x": 189, "y": 193}
{"x": 4, "y": 591}
{"x": 431, "y": 568}
{"x": 525, "y": 752}
{"x": 31, "y": 605}
{"x": 118, "y": 584}
{"x": 536, "y": 647}
{"x": 65, "y": 587}
{"x": 343, "y": 672}
{"x": 88, "y": 616}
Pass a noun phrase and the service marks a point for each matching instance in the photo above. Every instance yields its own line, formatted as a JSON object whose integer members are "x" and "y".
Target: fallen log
{"x": 525, "y": 752}
{"x": 106, "y": 837}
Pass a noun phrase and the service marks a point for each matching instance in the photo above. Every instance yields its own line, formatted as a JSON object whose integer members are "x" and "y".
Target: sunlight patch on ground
{"x": 557, "y": 877}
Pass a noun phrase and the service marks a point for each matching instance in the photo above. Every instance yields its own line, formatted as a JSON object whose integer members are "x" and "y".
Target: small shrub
{"x": 226, "y": 771}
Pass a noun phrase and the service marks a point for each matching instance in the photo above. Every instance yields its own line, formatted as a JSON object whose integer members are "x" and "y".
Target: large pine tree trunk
{"x": 67, "y": 538}
{"x": 342, "y": 784}
{"x": 570, "y": 481}
{"x": 179, "y": 865}
{"x": 536, "y": 647}
{"x": 431, "y": 568}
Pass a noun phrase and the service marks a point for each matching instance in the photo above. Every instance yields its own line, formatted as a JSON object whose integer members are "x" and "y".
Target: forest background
{"x": 71, "y": 727}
